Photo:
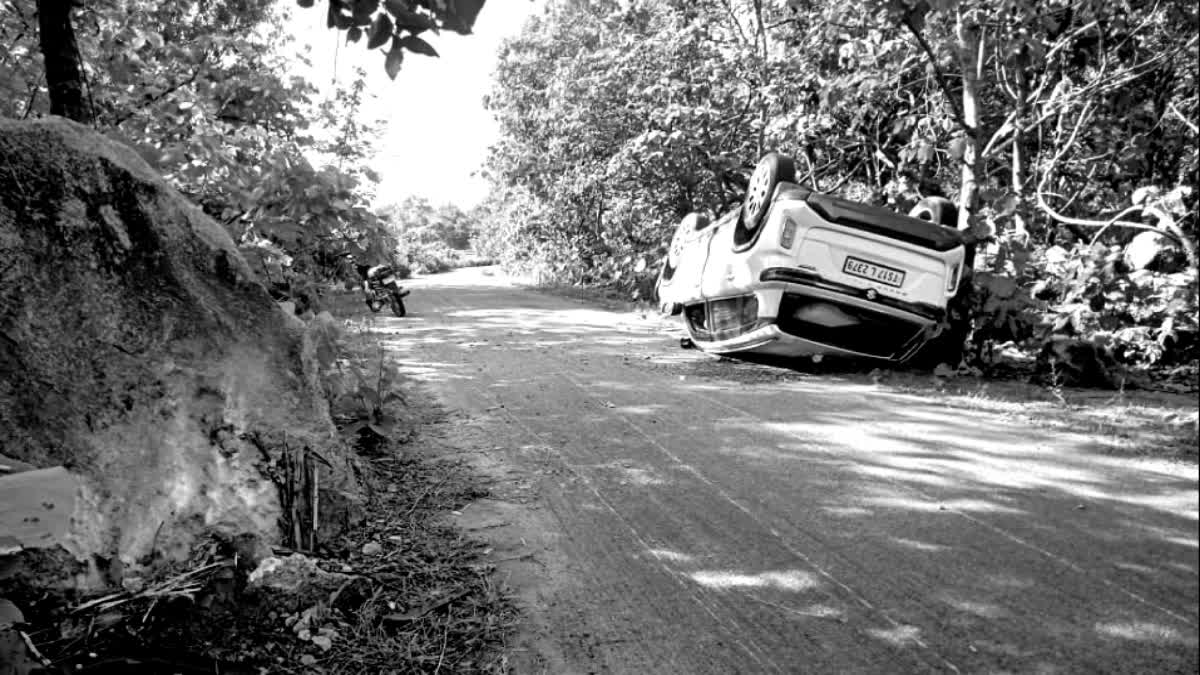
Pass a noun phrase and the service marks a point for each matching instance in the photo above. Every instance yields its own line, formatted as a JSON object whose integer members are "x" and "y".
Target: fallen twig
{"x": 33, "y": 649}
{"x": 431, "y": 607}
{"x": 182, "y": 585}
{"x": 423, "y": 494}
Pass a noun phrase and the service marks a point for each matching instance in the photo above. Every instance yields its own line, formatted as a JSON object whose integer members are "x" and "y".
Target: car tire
{"x": 936, "y": 210}
{"x": 773, "y": 169}
{"x": 945, "y": 213}
{"x": 692, "y": 222}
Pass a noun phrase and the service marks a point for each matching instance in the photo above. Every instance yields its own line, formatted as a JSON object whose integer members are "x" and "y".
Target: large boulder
{"x": 139, "y": 351}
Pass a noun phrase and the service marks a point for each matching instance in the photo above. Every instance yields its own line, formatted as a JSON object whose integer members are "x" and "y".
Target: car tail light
{"x": 952, "y": 282}
{"x": 749, "y": 310}
{"x": 788, "y": 236}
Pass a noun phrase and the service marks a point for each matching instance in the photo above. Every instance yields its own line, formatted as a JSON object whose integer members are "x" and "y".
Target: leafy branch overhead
{"x": 397, "y": 25}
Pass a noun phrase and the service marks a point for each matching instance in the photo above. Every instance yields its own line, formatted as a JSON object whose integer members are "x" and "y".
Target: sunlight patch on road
{"x": 1182, "y": 541}
{"x": 671, "y": 556}
{"x": 791, "y": 580}
{"x": 921, "y": 545}
{"x": 1142, "y": 631}
{"x": 901, "y": 636}
{"x": 848, "y": 511}
{"x": 985, "y": 610}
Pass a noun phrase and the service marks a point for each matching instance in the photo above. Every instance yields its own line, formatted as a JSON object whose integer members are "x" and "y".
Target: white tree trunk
{"x": 970, "y": 54}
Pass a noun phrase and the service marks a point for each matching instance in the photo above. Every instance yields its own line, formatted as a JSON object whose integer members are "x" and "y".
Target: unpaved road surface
{"x": 660, "y": 511}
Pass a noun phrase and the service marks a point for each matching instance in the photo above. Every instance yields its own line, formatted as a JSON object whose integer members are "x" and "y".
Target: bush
{"x": 1140, "y": 318}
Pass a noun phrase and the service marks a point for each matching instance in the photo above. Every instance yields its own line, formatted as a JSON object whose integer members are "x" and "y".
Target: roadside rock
{"x": 140, "y": 353}
{"x": 1072, "y": 362}
{"x": 295, "y": 583}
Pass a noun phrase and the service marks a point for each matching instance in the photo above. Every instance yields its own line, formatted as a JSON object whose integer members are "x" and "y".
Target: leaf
{"x": 461, "y": 15}
{"x": 384, "y": 432}
{"x": 924, "y": 153}
{"x": 381, "y": 31}
{"x": 415, "y": 44}
{"x": 958, "y": 148}
{"x": 353, "y": 429}
{"x": 1006, "y": 205}
{"x": 1144, "y": 194}
{"x": 395, "y": 57}
{"x": 353, "y": 35}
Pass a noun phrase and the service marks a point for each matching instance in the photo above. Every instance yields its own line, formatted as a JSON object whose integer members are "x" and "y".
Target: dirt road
{"x": 660, "y": 511}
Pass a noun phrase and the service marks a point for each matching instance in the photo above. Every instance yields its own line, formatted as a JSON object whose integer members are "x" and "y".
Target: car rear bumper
{"x": 862, "y": 327}
{"x": 771, "y": 339}
{"x": 813, "y": 284}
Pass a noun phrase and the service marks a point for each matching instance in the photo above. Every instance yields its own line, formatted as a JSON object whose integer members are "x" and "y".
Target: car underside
{"x": 799, "y": 273}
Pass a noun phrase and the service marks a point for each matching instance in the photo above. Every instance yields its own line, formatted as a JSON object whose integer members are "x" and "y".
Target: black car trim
{"x": 794, "y": 276}
{"x": 881, "y": 221}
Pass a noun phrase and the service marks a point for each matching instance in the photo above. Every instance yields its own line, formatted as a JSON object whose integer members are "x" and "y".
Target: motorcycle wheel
{"x": 398, "y": 305}
{"x": 374, "y": 305}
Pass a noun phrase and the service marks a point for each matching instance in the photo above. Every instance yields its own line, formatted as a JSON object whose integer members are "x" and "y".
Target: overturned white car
{"x": 795, "y": 272}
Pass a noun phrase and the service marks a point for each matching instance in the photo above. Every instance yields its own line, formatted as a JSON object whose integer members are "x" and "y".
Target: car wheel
{"x": 771, "y": 170}
{"x": 943, "y": 212}
{"x": 692, "y": 222}
{"x": 936, "y": 210}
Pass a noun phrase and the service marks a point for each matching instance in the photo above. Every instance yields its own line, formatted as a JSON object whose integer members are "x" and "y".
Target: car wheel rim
{"x": 757, "y": 196}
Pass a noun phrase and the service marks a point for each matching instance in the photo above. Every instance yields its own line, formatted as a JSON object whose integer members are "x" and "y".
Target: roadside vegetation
{"x": 214, "y": 95}
{"x": 210, "y": 96}
{"x": 1066, "y": 131}
{"x": 432, "y": 239}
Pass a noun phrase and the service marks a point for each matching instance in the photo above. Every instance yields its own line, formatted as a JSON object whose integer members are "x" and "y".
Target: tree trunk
{"x": 969, "y": 56}
{"x": 1019, "y": 184}
{"x": 63, "y": 76}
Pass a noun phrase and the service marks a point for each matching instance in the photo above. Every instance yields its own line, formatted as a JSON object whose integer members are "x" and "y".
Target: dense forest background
{"x": 1066, "y": 128}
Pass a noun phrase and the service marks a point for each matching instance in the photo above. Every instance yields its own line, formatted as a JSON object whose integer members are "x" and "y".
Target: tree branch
{"x": 943, "y": 83}
{"x": 164, "y": 93}
{"x": 1190, "y": 124}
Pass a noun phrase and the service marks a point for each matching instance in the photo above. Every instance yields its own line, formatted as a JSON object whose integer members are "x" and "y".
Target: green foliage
{"x": 361, "y": 399}
{"x": 431, "y": 239}
{"x": 618, "y": 118}
{"x": 398, "y": 24}
{"x": 201, "y": 90}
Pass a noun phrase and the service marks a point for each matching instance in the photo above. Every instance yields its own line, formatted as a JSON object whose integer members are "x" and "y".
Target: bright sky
{"x": 437, "y": 130}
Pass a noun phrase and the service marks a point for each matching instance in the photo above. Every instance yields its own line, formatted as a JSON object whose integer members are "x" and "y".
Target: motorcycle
{"x": 380, "y": 288}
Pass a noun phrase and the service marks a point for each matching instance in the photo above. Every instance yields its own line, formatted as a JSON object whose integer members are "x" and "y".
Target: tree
{"x": 57, "y": 38}
{"x": 1042, "y": 118}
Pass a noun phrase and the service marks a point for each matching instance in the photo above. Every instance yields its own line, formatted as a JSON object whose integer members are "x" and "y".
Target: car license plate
{"x": 874, "y": 271}
{"x": 389, "y": 280}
